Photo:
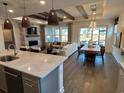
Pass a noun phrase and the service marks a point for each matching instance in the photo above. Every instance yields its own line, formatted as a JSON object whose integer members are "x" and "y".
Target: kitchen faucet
{"x": 9, "y": 47}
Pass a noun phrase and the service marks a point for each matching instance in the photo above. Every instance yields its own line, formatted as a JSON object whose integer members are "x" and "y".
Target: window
{"x": 55, "y": 34}
{"x": 64, "y": 34}
{"x": 85, "y": 35}
{"x": 99, "y": 35}
{"x": 102, "y": 35}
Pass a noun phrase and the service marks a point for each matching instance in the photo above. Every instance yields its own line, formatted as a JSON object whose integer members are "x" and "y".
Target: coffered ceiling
{"x": 75, "y": 8}
{"x": 34, "y": 6}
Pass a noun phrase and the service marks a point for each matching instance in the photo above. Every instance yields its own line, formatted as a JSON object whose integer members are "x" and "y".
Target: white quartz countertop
{"x": 36, "y": 64}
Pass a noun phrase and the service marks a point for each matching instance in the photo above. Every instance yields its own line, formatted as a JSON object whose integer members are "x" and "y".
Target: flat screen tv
{"x": 32, "y": 31}
{"x": 118, "y": 39}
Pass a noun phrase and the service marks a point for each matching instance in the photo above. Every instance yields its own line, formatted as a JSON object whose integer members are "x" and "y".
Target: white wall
{"x": 109, "y": 38}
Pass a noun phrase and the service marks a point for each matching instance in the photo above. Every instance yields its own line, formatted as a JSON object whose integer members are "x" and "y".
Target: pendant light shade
{"x": 25, "y": 19}
{"x": 25, "y": 22}
{"x": 8, "y": 24}
{"x": 52, "y": 18}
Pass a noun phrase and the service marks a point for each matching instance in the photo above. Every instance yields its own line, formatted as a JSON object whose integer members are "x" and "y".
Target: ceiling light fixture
{"x": 25, "y": 19}
{"x": 64, "y": 17}
{"x": 42, "y": 2}
{"x": 7, "y": 23}
{"x": 11, "y": 11}
{"x": 52, "y": 17}
{"x": 92, "y": 26}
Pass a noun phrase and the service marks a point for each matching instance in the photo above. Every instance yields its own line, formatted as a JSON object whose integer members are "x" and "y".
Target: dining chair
{"x": 90, "y": 55}
{"x": 102, "y": 52}
{"x": 79, "y": 49}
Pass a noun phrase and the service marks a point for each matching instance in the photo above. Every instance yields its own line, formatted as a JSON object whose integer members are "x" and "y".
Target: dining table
{"x": 93, "y": 48}
{"x": 90, "y": 51}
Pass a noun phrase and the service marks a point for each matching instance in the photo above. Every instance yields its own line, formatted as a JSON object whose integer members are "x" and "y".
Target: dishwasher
{"x": 13, "y": 80}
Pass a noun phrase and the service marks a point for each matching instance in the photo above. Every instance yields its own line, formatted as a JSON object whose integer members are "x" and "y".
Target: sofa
{"x": 68, "y": 49}
{"x": 56, "y": 44}
{"x": 62, "y": 49}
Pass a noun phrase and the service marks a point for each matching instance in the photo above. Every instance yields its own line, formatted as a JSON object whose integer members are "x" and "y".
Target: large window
{"x": 99, "y": 35}
{"x": 55, "y": 34}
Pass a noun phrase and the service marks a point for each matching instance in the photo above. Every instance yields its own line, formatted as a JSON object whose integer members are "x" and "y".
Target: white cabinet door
{"x": 30, "y": 84}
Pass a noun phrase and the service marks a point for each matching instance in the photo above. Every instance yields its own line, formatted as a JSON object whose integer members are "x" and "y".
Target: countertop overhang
{"x": 36, "y": 64}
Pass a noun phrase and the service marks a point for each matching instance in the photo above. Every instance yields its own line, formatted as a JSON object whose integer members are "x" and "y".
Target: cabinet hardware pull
{"x": 28, "y": 84}
{"x": 11, "y": 74}
{"x": 27, "y": 79}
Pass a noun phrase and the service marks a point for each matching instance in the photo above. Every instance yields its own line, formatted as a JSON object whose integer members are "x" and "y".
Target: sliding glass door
{"x": 99, "y": 35}
{"x": 102, "y": 35}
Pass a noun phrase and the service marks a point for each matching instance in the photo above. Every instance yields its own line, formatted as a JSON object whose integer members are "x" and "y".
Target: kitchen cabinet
{"x": 34, "y": 73}
{"x": 31, "y": 84}
{"x": 48, "y": 84}
{"x": 13, "y": 80}
{"x": 121, "y": 82}
{"x": 2, "y": 80}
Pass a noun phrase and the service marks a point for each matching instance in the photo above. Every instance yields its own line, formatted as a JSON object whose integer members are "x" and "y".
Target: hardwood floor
{"x": 90, "y": 78}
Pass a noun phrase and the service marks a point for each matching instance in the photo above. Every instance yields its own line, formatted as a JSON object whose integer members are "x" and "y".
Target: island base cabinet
{"x": 13, "y": 80}
{"x": 48, "y": 84}
{"x": 30, "y": 88}
{"x": 3, "y": 86}
{"x": 31, "y": 84}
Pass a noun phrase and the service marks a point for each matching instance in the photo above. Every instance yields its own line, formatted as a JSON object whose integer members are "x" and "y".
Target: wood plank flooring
{"x": 89, "y": 78}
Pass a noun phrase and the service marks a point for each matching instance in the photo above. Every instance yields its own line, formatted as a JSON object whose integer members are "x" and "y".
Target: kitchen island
{"x": 39, "y": 73}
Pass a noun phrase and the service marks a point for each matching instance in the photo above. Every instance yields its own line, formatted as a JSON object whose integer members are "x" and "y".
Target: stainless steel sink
{"x": 8, "y": 58}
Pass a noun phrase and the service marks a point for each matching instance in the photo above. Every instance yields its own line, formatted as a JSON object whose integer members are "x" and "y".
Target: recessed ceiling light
{"x": 64, "y": 17}
{"x": 42, "y": 2}
{"x": 94, "y": 13}
{"x": 11, "y": 11}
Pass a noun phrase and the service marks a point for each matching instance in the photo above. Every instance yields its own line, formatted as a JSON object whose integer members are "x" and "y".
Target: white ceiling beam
{"x": 82, "y": 11}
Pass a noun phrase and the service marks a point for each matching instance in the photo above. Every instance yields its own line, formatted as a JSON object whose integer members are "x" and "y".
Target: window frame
{"x": 98, "y": 27}
{"x": 54, "y": 35}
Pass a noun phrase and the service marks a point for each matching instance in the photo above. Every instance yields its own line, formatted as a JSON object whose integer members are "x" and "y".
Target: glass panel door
{"x": 102, "y": 36}
{"x": 99, "y": 35}
{"x": 96, "y": 36}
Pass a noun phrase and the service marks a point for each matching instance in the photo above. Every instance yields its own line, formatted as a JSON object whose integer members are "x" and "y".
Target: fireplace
{"x": 33, "y": 43}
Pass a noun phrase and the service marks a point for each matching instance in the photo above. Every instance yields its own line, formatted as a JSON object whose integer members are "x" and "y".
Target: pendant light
{"x": 7, "y": 23}
{"x": 93, "y": 20}
{"x": 25, "y": 19}
{"x": 52, "y": 17}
